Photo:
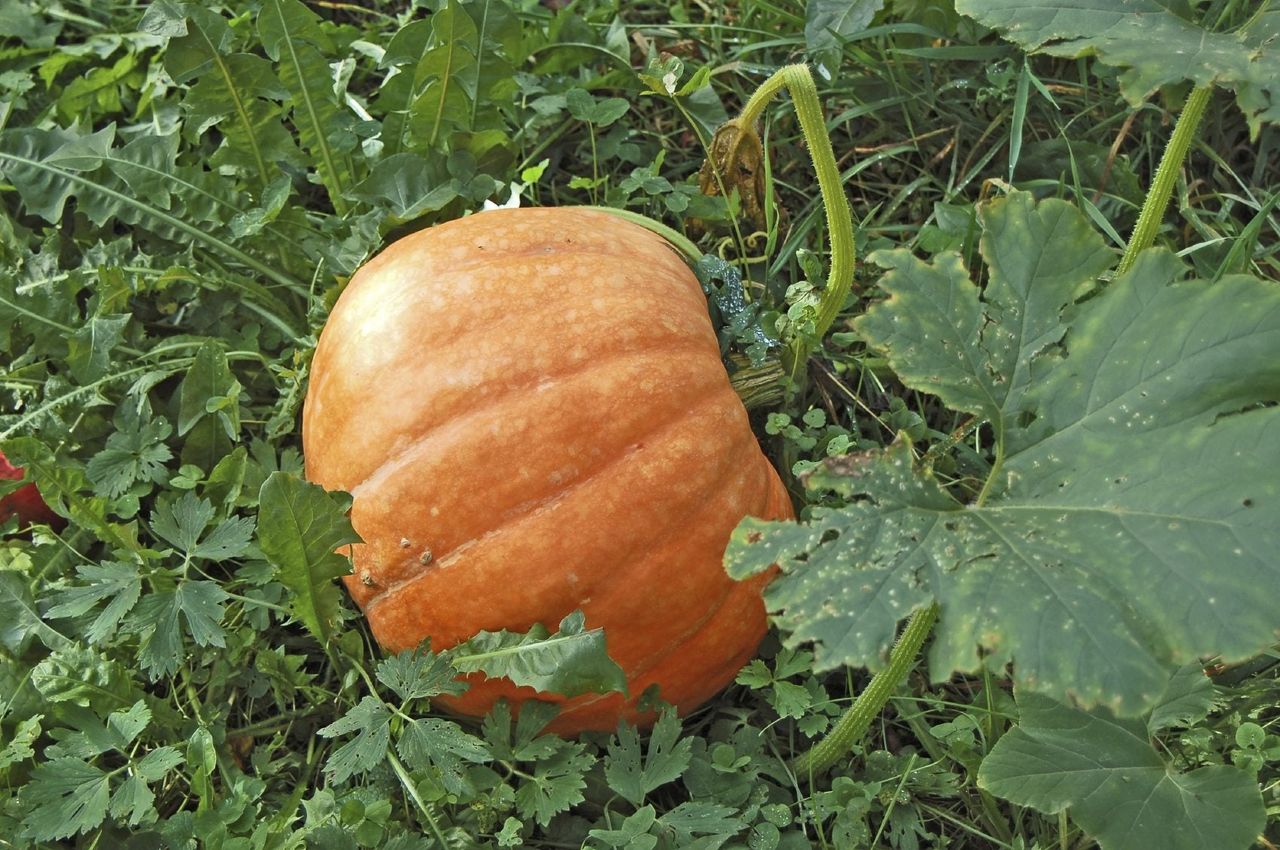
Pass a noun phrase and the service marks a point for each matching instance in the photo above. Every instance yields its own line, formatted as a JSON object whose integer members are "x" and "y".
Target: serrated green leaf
{"x": 419, "y": 674}
{"x": 300, "y": 530}
{"x": 1131, "y": 433}
{"x": 555, "y": 783}
{"x": 89, "y": 348}
{"x": 65, "y": 488}
{"x": 116, "y": 581}
{"x": 1116, "y": 786}
{"x": 523, "y": 741}
{"x": 695, "y": 818}
{"x": 36, "y": 160}
{"x": 237, "y": 91}
{"x": 20, "y": 746}
{"x": 132, "y": 801}
{"x": 370, "y": 720}
{"x": 1122, "y": 35}
{"x": 82, "y": 676}
{"x": 1187, "y": 699}
{"x": 406, "y": 184}
{"x": 292, "y": 36}
{"x": 165, "y": 18}
{"x": 444, "y": 745}
{"x": 65, "y": 797}
{"x": 573, "y": 661}
{"x": 440, "y": 100}
{"x": 664, "y": 761}
{"x": 131, "y": 455}
{"x": 156, "y": 763}
{"x": 181, "y": 521}
{"x": 124, "y": 726}
{"x": 166, "y": 618}
{"x": 632, "y": 834}
{"x": 229, "y": 539}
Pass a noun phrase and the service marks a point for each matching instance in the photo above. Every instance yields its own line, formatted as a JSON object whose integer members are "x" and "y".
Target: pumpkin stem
{"x": 757, "y": 386}
{"x": 677, "y": 239}
{"x": 797, "y": 80}
{"x": 850, "y": 728}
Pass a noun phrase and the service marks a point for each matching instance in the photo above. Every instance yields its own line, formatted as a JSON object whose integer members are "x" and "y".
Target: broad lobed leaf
{"x": 1129, "y": 521}
{"x": 1122, "y": 35}
{"x": 1118, "y": 787}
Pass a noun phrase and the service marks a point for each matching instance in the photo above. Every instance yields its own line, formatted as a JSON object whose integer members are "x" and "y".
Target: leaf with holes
{"x": 1130, "y": 519}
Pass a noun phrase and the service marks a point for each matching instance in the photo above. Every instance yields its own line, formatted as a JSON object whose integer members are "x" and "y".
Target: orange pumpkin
{"x": 530, "y": 411}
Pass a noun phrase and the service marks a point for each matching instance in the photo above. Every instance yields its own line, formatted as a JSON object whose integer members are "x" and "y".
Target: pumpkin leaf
{"x": 299, "y": 528}
{"x": 1130, "y": 425}
{"x": 1121, "y": 35}
{"x": 1187, "y": 699}
{"x": 573, "y": 661}
{"x": 1117, "y": 786}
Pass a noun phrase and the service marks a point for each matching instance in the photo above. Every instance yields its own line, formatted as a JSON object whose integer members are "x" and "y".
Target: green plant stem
{"x": 850, "y": 728}
{"x": 678, "y": 240}
{"x": 1157, "y": 200}
{"x": 412, "y": 790}
{"x": 797, "y": 80}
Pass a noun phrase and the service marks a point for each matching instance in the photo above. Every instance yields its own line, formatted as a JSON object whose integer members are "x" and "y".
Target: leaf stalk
{"x": 1157, "y": 200}
{"x": 851, "y": 728}
{"x": 798, "y": 82}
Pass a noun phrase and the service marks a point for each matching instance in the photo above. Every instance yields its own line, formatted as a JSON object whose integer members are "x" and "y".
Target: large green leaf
{"x": 1123, "y": 35}
{"x": 1117, "y": 786}
{"x": 1130, "y": 519}
{"x": 300, "y": 530}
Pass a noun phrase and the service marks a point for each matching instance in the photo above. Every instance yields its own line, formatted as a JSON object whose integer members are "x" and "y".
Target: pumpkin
{"x": 530, "y": 411}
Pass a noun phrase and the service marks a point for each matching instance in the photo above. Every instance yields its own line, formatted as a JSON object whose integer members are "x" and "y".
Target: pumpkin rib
{"x": 548, "y": 248}
{"x": 619, "y": 246}
{"x": 537, "y": 511}
{"x": 648, "y": 578}
{"x": 586, "y": 367}
{"x": 588, "y": 710}
{"x": 463, "y": 403}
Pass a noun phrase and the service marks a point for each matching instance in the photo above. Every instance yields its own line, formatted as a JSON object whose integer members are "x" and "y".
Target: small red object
{"x": 25, "y": 503}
